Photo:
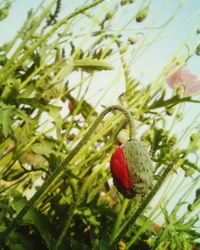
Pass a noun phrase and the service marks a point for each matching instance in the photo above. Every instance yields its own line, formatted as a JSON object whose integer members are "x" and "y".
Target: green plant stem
{"x": 127, "y": 217}
{"x": 119, "y": 218}
{"x": 74, "y": 205}
{"x": 146, "y": 201}
{"x": 69, "y": 218}
{"x": 63, "y": 165}
{"x": 71, "y": 211}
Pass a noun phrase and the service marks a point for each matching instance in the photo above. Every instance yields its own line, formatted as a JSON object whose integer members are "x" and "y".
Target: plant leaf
{"x": 36, "y": 218}
{"x": 92, "y": 64}
{"x": 6, "y": 119}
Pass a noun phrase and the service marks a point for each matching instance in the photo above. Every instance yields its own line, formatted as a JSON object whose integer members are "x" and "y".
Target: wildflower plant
{"x": 58, "y": 160}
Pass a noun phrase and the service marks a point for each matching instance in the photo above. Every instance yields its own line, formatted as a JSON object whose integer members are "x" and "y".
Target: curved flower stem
{"x": 63, "y": 165}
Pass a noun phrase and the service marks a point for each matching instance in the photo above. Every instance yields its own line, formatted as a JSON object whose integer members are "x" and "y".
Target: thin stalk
{"x": 75, "y": 203}
{"x": 119, "y": 218}
{"x": 128, "y": 217}
{"x": 63, "y": 165}
{"x": 143, "y": 205}
{"x": 146, "y": 201}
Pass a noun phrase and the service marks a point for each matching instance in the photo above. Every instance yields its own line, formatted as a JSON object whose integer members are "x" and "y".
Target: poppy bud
{"x": 133, "y": 39}
{"x": 198, "y": 50}
{"x": 142, "y": 14}
{"x": 70, "y": 105}
{"x": 109, "y": 15}
{"x": 123, "y": 2}
{"x": 123, "y": 48}
{"x": 132, "y": 169}
{"x": 170, "y": 110}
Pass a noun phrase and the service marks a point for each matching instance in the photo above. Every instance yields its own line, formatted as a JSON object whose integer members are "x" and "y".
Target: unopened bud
{"x": 180, "y": 89}
{"x": 173, "y": 140}
{"x": 170, "y": 110}
{"x": 133, "y": 39}
{"x": 193, "y": 137}
{"x": 123, "y": 48}
{"x": 132, "y": 169}
{"x": 123, "y": 2}
{"x": 198, "y": 50}
{"x": 142, "y": 14}
{"x": 189, "y": 172}
{"x": 147, "y": 137}
{"x": 109, "y": 15}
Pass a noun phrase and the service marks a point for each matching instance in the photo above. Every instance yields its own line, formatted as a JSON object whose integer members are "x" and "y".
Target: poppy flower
{"x": 132, "y": 169}
{"x": 70, "y": 106}
{"x": 181, "y": 75}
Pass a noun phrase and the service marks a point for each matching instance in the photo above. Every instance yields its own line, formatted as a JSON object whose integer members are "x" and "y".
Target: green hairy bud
{"x": 142, "y": 14}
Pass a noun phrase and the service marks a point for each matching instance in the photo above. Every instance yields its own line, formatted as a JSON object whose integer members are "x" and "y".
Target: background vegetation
{"x": 46, "y": 72}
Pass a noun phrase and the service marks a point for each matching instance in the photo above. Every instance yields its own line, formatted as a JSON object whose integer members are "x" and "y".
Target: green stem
{"x": 146, "y": 201}
{"x": 68, "y": 220}
{"x": 127, "y": 217}
{"x": 71, "y": 211}
{"x": 119, "y": 219}
{"x": 63, "y": 165}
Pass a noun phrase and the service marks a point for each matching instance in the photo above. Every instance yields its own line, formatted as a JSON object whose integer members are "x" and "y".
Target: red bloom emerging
{"x": 69, "y": 105}
{"x": 119, "y": 168}
{"x": 132, "y": 169}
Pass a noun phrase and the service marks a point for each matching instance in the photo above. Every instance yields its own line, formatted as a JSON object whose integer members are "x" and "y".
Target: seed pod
{"x": 172, "y": 140}
{"x": 109, "y": 15}
{"x": 123, "y": 2}
{"x": 142, "y": 14}
{"x": 198, "y": 50}
{"x": 132, "y": 169}
{"x": 133, "y": 39}
{"x": 123, "y": 48}
{"x": 4, "y": 11}
{"x": 170, "y": 110}
{"x": 193, "y": 137}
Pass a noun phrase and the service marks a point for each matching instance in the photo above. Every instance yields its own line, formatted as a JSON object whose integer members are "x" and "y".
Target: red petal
{"x": 119, "y": 168}
{"x": 69, "y": 105}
